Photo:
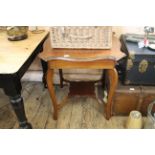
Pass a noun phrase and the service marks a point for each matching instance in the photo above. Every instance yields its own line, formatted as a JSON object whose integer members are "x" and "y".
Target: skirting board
{"x": 37, "y": 76}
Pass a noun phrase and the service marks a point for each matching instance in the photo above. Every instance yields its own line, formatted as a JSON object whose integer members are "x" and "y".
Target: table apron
{"x": 98, "y": 64}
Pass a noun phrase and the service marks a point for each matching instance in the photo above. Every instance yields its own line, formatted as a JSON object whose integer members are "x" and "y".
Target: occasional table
{"x": 83, "y": 59}
{"x": 15, "y": 59}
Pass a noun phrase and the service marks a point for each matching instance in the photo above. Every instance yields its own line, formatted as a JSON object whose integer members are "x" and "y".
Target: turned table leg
{"x": 18, "y": 106}
{"x": 49, "y": 78}
{"x": 12, "y": 88}
{"x": 44, "y": 67}
{"x": 113, "y": 79}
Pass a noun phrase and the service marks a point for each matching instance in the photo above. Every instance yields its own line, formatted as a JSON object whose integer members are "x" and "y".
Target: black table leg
{"x": 44, "y": 67}
{"x": 18, "y": 106}
{"x": 12, "y": 88}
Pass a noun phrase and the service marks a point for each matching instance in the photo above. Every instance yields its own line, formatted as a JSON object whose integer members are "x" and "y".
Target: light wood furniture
{"x": 15, "y": 59}
{"x": 83, "y": 59}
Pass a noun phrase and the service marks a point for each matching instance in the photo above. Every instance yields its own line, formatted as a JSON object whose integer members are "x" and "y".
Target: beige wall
{"x": 137, "y": 29}
{"x": 117, "y": 29}
{"x": 127, "y": 29}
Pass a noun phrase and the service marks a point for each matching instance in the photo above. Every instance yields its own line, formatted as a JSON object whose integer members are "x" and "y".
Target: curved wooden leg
{"x": 49, "y": 78}
{"x": 113, "y": 78}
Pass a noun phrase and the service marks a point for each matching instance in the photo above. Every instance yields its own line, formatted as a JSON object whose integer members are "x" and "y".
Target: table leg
{"x": 44, "y": 67}
{"x": 18, "y": 106}
{"x": 61, "y": 78}
{"x": 113, "y": 79}
{"x": 50, "y": 76}
{"x": 12, "y": 88}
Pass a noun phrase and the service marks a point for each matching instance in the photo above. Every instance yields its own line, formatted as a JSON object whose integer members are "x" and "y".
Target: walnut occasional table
{"x": 83, "y": 59}
{"x": 15, "y": 59}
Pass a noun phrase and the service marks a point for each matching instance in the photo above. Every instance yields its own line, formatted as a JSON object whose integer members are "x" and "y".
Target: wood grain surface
{"x": 78, "y": 113}
{"x": 13, "y": 54}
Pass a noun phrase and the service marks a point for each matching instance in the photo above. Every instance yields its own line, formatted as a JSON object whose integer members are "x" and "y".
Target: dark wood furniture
{"x": 83, "y": 59}
{"x": 15, "y": 59}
